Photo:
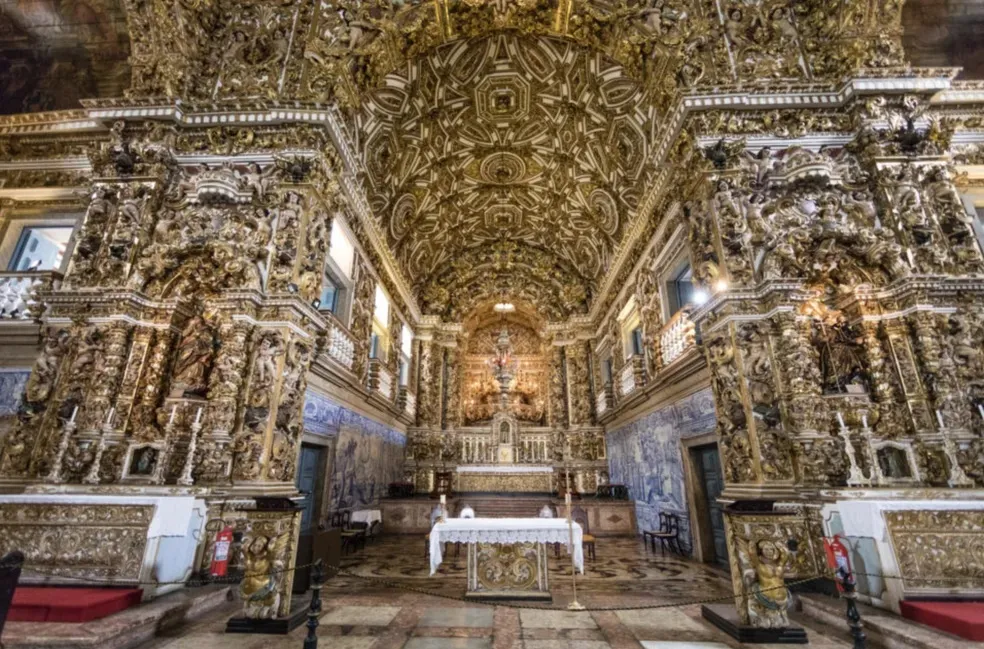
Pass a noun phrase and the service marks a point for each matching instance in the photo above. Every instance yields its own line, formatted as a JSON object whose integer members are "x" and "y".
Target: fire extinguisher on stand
{"x": 220, "y": 553}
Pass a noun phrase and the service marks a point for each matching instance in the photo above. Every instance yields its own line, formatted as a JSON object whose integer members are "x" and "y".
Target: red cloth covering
{"x": 964, "y": 619}
{"x": 57, "y": 604}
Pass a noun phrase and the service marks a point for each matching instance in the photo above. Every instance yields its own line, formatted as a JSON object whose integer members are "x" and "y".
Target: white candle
{"x": 75, "y": 411}
{"x": 939, "y": 418}
{"x": 443, "y": 499}
{"x": 567, "y": 499}
{"x": 174, "y": 410}
{"x": 109, "y": 417}
{"x": 864, "y": 421}
{"x": 198, "y": 415}
{"x": 840, "y": 419}
{"x": 980, "y": 409}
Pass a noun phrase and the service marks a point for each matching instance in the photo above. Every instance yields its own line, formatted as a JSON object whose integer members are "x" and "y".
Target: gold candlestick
{"x": 575, "y": 605}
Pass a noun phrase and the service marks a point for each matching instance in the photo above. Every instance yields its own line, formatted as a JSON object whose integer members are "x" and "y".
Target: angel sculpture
{"x": 768, "y": 597}
{"x": 264, "y": 563}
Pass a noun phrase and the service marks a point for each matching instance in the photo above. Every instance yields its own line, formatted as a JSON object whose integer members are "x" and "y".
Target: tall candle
{"x": 198, "y": 415}
{"x": 864, "y": 421}
{"x": 174, "y": 410}
{"x": 75, "y": 412}
{"x": 109, "y": 417}
{"x": 567, "y": 499}
{"x": 840, "y": 419}
{"x": 980, "y": 409}
{"x": 443, "y": 499}
{"x": 939, "y": 418}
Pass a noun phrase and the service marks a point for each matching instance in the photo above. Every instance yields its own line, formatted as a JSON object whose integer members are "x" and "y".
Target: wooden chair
{"x": 580, "y": 517}
{"x": 353, "y": 534}
{"x": 373, "y": 532}
{"x": 668, "y": 534}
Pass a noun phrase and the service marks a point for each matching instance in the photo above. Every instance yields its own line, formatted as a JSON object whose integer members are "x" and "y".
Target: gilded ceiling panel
{"x": 528, "y": 141}
{"x": 55, "y": 52}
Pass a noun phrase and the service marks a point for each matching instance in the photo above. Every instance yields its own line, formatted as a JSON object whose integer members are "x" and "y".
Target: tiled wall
{"x": 365, "y": 454}
{"x": 645, "y": 455}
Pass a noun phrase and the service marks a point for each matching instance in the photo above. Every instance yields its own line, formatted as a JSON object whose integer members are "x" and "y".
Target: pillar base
{"x": 272, "y": 626}
{"x": 725, "y": 617}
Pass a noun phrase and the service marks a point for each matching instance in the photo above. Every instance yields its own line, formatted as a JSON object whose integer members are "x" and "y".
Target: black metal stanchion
{"x": 848, "y": 583}
{"x": 314, "y": 612}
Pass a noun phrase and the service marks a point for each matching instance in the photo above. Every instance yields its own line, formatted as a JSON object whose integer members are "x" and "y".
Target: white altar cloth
{"x": 503, "y": 468}
{"x": 368, "y": 516}
{"x": 504, "y": 530}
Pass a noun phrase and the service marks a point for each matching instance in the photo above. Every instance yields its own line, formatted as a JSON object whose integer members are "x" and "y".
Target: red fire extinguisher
{"x": 220, "y": 555}
{"x": 837, "y": 556}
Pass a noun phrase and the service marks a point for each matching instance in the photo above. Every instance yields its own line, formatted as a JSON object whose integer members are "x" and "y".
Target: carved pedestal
{"x": 766, "y": 547}
{"x": 508, "y": 571}
{"x": 269, "y": 551}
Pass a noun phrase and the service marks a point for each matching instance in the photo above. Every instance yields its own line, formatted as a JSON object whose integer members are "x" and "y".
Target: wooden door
{"x": 712, "y": 481}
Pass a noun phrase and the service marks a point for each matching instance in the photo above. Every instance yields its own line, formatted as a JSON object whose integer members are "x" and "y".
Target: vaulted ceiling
{"x": 55, "y": 52}
{"x": 505, "y": 155}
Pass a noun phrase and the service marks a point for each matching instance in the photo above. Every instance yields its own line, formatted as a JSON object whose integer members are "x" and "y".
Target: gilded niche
{"x": 527, "y": 398}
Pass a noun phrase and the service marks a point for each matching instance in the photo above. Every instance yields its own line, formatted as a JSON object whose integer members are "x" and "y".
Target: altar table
{"x": 507, "y": 557}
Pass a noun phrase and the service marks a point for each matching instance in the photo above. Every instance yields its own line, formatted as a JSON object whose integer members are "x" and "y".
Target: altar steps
{"x": 493, "y": 506}
{"x": 607, "y": 517}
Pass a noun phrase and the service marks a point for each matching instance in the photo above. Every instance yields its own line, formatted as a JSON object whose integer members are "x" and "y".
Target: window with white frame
{"x": 337, "y": 286}
{"x": 679, "y": 288}
{"x": 340, "y": 249}
{"x": 406, "y": 350}
{"x": 606, "y": 371}
{"x": 37, "y": 244}
{"x": 630, "y": 324}
{"x": 379, "y": 345}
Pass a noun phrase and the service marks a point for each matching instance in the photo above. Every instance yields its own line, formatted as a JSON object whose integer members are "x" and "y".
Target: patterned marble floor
{"x": 363, "y": 613}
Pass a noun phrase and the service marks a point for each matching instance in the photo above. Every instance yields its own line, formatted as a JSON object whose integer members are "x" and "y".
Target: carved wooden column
{"x": 559, "y": 413}
{"x": 429, "y": 384}
{"x": 363, "y": 301}
{"x": 451, "y": 419}
{"x": 578, "y": 383}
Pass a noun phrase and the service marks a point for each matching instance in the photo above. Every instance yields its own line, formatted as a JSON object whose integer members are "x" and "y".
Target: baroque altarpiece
{"x": 554, "y": 155}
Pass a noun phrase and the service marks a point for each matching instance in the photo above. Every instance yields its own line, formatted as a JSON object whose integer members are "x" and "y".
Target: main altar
{"x": 504, "y": 435}
{"x": 507, "y": 557}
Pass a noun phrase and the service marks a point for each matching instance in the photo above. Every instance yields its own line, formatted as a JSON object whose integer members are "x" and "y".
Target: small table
{"x": 507, "y": 557}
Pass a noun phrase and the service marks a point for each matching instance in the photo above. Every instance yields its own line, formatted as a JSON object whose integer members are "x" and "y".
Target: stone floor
{"x": 361, "y": 612}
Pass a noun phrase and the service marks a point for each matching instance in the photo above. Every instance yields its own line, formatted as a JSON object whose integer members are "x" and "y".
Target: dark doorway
{"x": 310, "y": 482}
{"x": 708, "y": 464}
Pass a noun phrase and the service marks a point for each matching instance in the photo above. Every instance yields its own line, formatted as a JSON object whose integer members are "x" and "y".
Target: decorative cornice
{"x": 802, "y": 96}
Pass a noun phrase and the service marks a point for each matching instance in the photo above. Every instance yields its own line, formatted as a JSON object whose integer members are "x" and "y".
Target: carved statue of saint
{"x": 842, "y": 358}
{"x": 196, "y": 350}
{"x": 40, "y": 383}
{"x": 263, "y": 560}
{"x": 769, "y": 598}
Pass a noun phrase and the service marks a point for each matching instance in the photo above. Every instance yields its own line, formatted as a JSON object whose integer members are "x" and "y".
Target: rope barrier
{"x": 388, "y": 583}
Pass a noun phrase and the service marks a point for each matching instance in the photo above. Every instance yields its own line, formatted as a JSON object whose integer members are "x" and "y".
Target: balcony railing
{"x": 340, "y": 347}
{"x": 408, "y": 401}
{"x": 604, "y": 400}
{"x": 18, "y": 290}
{"x": 380, "y": 379}
{"x": 677, "y": 336}
{"x": 632, "y": 376}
